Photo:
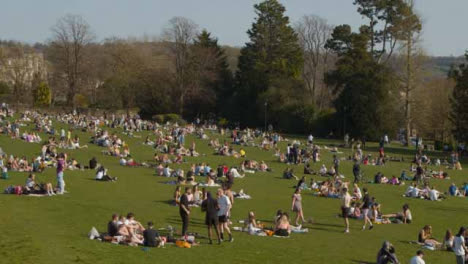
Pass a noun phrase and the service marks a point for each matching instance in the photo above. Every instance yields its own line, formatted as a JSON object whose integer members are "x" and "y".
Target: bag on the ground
{"x": 18, "y": 190}
{"x": 183, "y": 244}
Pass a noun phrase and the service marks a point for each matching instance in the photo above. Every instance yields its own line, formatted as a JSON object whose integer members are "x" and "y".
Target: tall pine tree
{"x": 459, "y": 114}
{"x": 364, "y": 86}
{"x": 221, "y": 84}
{"x": 271, "y": 54}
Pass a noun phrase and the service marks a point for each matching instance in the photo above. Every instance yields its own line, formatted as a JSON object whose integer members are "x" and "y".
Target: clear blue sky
{"x": 445, "y": 29}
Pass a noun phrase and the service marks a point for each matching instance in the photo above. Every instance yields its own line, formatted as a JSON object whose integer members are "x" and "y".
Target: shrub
{"x": 158, "y": 118}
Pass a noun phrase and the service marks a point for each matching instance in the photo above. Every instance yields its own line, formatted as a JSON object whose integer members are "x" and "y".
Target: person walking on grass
{"x": 184, "y": 211}
{"x": 459, "y": 246}
{"x": 345, "y": 206}
{"x": 297, "y": 206}
{"x": 210, "y": 206}
{"x": 223, "y": 214}
{"x": 366, "y": 201}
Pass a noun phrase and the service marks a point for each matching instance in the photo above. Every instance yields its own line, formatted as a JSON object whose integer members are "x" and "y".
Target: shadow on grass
{"x": 362, "y": 261}
{"x": 331, "y": 225}
{"x": 452, "y": 209}
{"x": 326, "y": 229}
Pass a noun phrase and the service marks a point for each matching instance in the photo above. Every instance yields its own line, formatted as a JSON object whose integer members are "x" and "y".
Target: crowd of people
{"x": 169, "y": 143}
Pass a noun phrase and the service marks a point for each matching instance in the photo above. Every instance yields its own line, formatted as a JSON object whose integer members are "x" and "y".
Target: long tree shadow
{"x": 362, "y": 261}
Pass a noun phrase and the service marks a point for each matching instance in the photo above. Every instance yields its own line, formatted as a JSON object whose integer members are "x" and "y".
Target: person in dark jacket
{"x": 387, "y": 254}
{"x": 210, "y": 206}
{"x": 151, "y": 237}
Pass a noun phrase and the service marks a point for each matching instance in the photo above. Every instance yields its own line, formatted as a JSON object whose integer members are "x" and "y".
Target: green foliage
{"x": 272, "y": 53}
{"x": 4, "y": 88}
{"x": 217, "y": 81}
{"x": 158, "y": 118}
{"x": 42, "y": 95}
{"x": 364, "y": 87}
{"x": 171, "y": 118}
{"x": 222, "y": 122}
{"x": 80, "y": 101}
{"x": 459, "y": 102}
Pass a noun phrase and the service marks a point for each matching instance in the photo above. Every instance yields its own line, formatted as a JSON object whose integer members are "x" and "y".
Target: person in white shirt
{"x": 459, "y": 247}
{"x": 409, "y": 191}
{"x": 433, "y": 194}
{"x": 310, "y": 139}
{"x": 224, "y": 205}
{"x": 418, "y": 259}
{"x": 415, "y": 193}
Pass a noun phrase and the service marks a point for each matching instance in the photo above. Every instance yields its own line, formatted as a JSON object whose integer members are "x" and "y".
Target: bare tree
{"x": 313, "y": 33}
{"x": 180, "y": 34}
{"x": 409, "y": 34}
{"x": 71, "y": 37}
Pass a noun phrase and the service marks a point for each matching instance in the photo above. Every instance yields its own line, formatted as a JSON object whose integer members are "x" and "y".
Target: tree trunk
{"x": 408, "y": 89}
{"x": 181, "y": 105}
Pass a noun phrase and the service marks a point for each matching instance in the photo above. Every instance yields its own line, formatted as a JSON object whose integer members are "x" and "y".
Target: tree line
{"x": 307, "y": 76}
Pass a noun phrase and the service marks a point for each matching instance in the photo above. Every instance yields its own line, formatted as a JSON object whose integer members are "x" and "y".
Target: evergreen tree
{"x": 42, "y": 95}
{"x": 459, "y": 101}
{"x": 364, "y": 86}
{"x": 221, "y": 84}
{"x": 273, "y": 53}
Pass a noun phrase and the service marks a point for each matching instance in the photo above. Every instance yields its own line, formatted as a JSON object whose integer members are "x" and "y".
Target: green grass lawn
{"x": 54, "y": 229}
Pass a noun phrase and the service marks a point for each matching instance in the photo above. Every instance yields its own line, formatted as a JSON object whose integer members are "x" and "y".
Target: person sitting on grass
{"x": 386, "y": 254}
{"x": 282, "y": 227}
{"x": 288, "y": 174}
{"x": 151, "y": 237}
{"x": 31, "y": 187}
{"x": 404, "y": 216}
{"x": 113, "y": 226}
{"x": 101, "y": 175}
{"x": 308, "y": 169}
{"x": 453, "y": 190}
{"x": 425, "y": 237}
{"x": 323, "y": 170}
{"x": 177, "y": 195}
{"x": 448, "y": 240}
{"x": 252, "y": 227}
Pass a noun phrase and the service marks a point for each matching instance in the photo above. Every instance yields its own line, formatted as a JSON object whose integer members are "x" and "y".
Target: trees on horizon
{"x": 299, "y": 77}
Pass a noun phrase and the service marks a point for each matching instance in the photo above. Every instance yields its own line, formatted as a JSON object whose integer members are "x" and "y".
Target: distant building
{"x": 23, "y": 68}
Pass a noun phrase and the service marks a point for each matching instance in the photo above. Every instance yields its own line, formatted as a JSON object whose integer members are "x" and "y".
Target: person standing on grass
{"x": 357, "y": 171}
{"x": 210, "y": 206}
{"x": 297, "y": 206}
{"x": 459, "y": 246}
{"x": 345, "y": 206}
{"x": 365, "y": 209}
{"x": 61, "y": 161}
{"x": 184, "y": 211}
{"x": 223, "y": 214}
{"x": 336, "y": 164}
{"x": 418, "y": 259}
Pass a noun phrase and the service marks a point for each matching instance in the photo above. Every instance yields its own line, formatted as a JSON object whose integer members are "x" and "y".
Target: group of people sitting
{"x": 426, "y": 192}
{"x": 128, "y": 231}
